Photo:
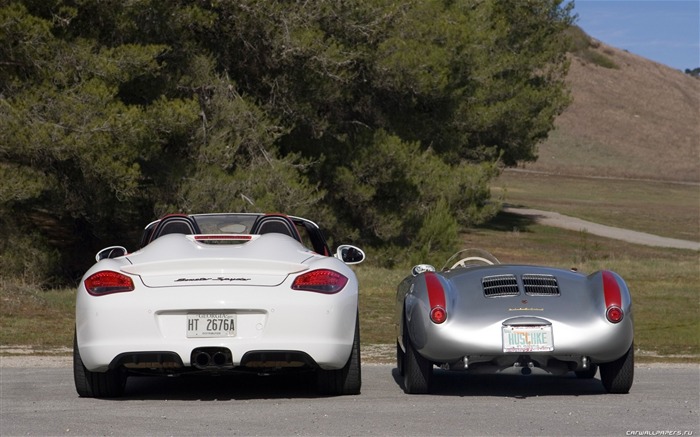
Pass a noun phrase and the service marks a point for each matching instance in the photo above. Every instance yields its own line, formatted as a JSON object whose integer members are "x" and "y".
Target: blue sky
{"x": 665, "y": 31}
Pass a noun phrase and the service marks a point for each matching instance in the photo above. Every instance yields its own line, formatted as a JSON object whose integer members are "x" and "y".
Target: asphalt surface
{"x": 555, "y": 219}
{"x": 665, "y": 400}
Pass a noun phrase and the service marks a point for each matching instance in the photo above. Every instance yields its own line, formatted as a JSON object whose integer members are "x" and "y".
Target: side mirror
{"x": 422, "y": 268}
{"x": 110, "y": 252}
{"x": 350, "y": 254}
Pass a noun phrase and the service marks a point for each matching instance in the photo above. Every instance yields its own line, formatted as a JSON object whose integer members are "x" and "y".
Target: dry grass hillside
{"x": 630, "y": 117}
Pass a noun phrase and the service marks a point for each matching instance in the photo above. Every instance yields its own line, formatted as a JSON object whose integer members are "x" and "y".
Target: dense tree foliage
{"x": 383, "y": 120}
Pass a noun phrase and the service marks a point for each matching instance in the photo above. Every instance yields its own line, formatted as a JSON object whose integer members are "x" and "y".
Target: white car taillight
{"x": 320, "y": 281}
{"x": 108, "y": 282}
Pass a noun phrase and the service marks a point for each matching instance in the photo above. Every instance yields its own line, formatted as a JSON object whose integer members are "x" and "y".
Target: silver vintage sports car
{"x": 480, "y": 316}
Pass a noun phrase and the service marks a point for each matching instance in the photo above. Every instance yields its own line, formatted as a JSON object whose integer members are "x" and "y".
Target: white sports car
{"x": 213, "y": 293}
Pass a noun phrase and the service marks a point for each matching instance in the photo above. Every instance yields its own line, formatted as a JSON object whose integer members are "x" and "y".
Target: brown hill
{"x": 630, "y": 117}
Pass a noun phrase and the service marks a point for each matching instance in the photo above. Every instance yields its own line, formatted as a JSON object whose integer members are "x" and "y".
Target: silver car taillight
{"x": 613, "y": 298}
{"x": 436, "y": 297}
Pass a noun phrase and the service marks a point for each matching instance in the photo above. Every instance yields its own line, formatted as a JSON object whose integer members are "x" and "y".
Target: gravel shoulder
{"x": 44, "y": 361}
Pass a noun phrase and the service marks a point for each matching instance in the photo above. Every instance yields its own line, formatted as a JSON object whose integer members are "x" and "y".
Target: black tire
{"x": 588, "y": 373}
{"x": 617, "y": 376}
{"x": 345, "y": 381}
{"x": 109, "y": 384}
{"x": 399, "y": 358}
{"x": 418, "y": 371}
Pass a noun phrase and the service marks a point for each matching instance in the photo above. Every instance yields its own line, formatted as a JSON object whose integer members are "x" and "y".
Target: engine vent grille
{"x": 500, "y": 285}
{"x": 540, "y": 285}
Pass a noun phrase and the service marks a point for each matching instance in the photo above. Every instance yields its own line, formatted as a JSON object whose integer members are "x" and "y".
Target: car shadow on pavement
{"x": 235, "y": 386}
{"x": 509, "y": 385}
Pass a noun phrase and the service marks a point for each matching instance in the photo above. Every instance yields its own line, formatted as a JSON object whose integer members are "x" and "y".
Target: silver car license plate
{"x": 211, "y": 325}
{"x": 527, "y": 338}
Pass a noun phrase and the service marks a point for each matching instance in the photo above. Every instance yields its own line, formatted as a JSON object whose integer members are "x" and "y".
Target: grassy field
{"x": 660, "y": 208}
{"x": 649, "y": 132}
{"x": 32, "y": 317}
{"x": 663, "y": 282}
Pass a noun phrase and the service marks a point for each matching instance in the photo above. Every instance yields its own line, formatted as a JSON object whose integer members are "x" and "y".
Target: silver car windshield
{"x": 470, "y": 257}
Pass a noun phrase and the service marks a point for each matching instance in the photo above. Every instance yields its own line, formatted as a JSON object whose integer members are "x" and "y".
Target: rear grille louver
{"x": 507, "y": 285}
{"x": 540, "y": 285}
{"x": 500, "y": 285}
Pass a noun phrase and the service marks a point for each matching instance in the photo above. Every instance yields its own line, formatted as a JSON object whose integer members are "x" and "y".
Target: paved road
{"x": 42, "y": 401}
{"x": 555, "y": 219}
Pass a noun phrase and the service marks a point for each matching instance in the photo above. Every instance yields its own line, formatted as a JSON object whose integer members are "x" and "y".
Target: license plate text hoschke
{"x": 527, "y": 338}
{"x": 204, "y": 325}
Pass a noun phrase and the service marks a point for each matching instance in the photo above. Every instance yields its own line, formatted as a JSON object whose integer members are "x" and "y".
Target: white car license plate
{"x": 527, "y": 338}
{"x": 211, "y": 325}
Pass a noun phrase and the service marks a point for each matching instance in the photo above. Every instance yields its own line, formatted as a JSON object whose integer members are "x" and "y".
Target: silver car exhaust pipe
{"x": 525, "y": 367}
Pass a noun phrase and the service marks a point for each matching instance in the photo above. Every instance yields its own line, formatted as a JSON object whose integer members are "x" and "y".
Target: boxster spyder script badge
{"x": 219, "y": 279}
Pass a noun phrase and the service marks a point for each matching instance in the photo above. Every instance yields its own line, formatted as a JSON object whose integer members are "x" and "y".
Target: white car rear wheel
{"x": 345, "y": 381}
{"x": 109, "y": 384}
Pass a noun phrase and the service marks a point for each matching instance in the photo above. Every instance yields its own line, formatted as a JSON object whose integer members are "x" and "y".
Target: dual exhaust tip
{"x": 209, "y": 358}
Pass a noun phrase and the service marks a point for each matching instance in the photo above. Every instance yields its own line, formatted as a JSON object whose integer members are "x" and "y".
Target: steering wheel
{"x": 464, "y": 262}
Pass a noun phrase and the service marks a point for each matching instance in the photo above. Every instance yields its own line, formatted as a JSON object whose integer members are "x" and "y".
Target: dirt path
{"x": 555, "y": 219}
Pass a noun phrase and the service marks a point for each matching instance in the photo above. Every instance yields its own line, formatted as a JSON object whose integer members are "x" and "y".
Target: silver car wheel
{"x": 418, "y": 371}
{"x": 617, "y": 376}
